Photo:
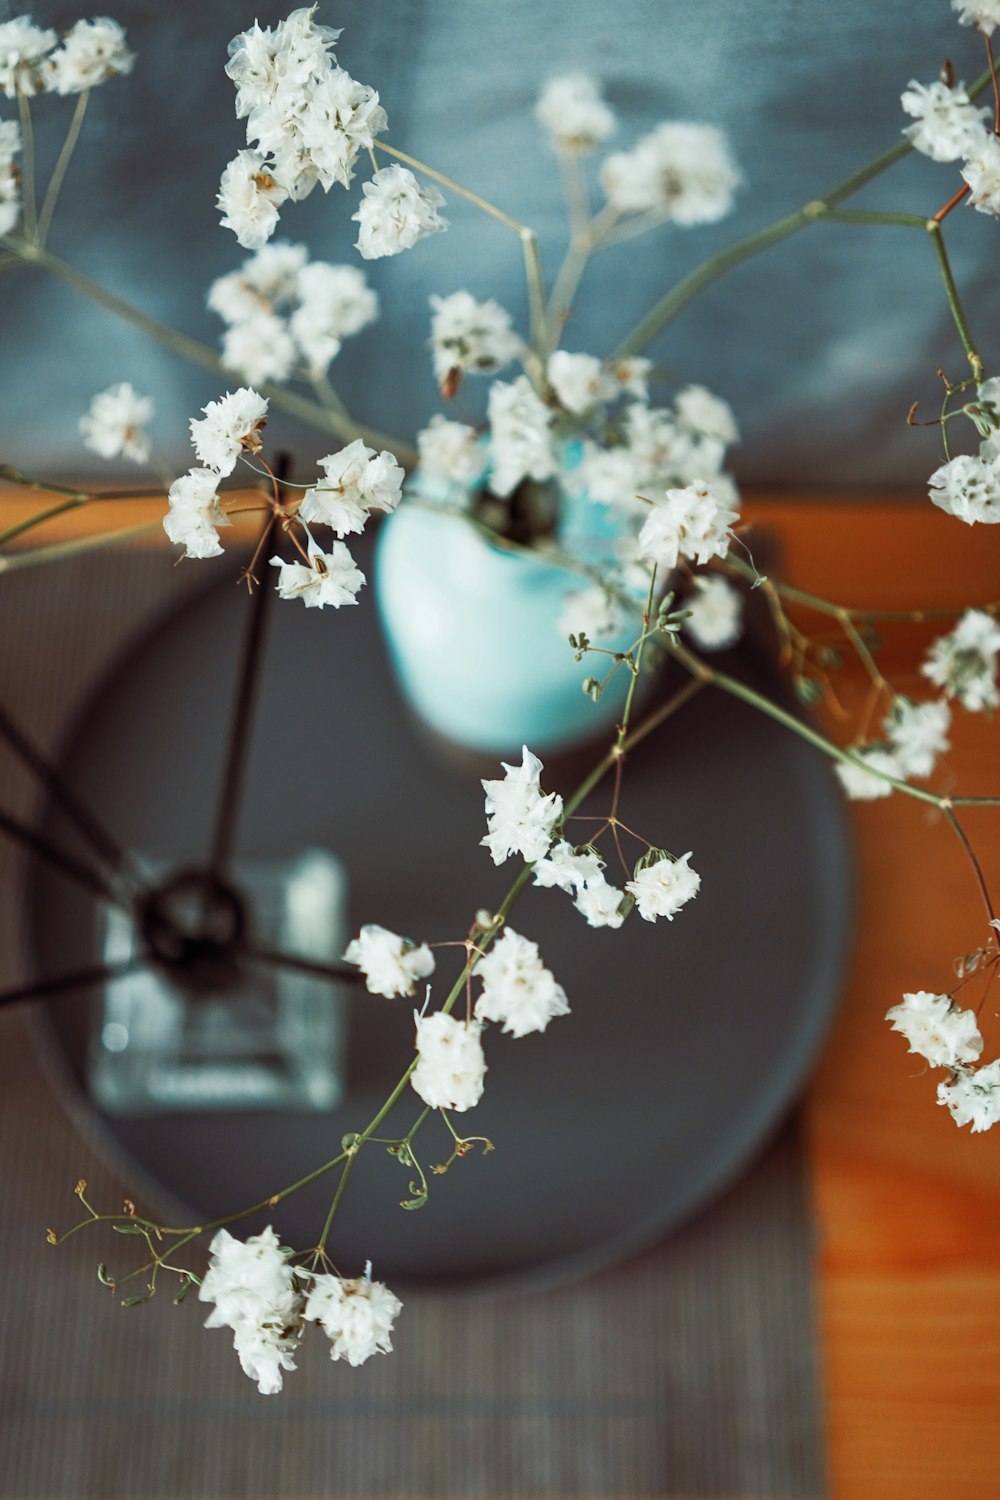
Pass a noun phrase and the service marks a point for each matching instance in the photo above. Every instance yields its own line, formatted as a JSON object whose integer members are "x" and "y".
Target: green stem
{"x": 738, "y": 689}
{"x": 674, "y": 301}
{"x": 12, "y": 562}
{"x": 954, "y": 303}
{"x": 61, "y": 166}
{"x": 27, "y": 166}
{"x": 527, "y": 236}
{"x": 44, "y": 515}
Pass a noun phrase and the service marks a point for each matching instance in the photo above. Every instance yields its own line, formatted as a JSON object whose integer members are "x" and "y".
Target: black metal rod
{"x": 238, "y": 751}
{"x": 276, "y": 959}
{"x": 100, "y": 840}
{"x": 73, "y": 868}
{"x": 82, "y": 979}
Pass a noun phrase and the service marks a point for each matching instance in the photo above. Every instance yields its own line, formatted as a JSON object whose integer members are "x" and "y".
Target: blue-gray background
{"x": 820, "y": 345}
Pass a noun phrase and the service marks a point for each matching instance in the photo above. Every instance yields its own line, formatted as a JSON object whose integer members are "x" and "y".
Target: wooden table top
{"x": 908, "y": 1206}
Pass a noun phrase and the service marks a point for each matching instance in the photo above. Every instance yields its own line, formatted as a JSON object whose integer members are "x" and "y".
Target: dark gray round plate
{"x": 687, "y": 1039}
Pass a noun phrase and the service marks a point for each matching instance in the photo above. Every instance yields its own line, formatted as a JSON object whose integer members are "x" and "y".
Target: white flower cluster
{"x": 681, "y": 172}
{"x": 396, "y": 212}
{"x": 983, "y": 14}
{"x": 91, "y": 52}
{"x": 715, "y": 612}
{"x": 266, "y": 1302}
{"x": 653, "y": 449}
{"x": 964, "y": 662}
{"x": 522, "y": 819}
{"x": 392, "y": 965}
{"x": 114, "y": 425}
{"x": 230, "y": 426}
{"x": 948, "y": 1037}
{"x": 470, "y": 337}
{"x": 287, "y": 315}
{"x": 519, "y": 992}
{"x": 949, "y": 127}
{"x": 10, "y": 176}
{"x": 693, "y": 523}
{"x": 948, "y": 124}
{"x": 575, "y": 115}
{"x": 915, "y": 735}
{"x": 580, "y": 872}
{"x": 356, "y": 482}
{"x": 306, "y": 117}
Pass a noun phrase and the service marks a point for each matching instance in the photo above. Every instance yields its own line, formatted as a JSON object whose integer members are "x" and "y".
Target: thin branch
{"x": 61, "y": 166}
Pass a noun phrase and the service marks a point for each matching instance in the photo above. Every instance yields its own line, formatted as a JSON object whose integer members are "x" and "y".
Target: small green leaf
{"x": 128, "y": 1229}
{"x": 135, "y": 1301}
{"x": 103, "y": 1277}
{"x": 187, "y": 1283}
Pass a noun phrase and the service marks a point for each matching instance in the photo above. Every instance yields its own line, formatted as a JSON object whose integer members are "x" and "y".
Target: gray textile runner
{"x": 689, "y": 1372}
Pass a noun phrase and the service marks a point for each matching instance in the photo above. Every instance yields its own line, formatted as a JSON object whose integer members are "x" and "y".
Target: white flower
{"x": 973, "y": 1096}
{"x": 249, "y": 198}
{"x": 450, "y": 1062}
{"x": 230, "y": 426}
{"x": 259, "y": 349}
{"x": 255, "y": 1294}
{"x": 609, "y": 476}
{"x": 91, "y": 53}
{"x": 392, "y": 965}
{"x": 580, "y": 381}
{"x": 520, "y": 440}
{"x": 341, "y": 119}
{"x": 264, "y": 1352}
{"x": 113, "y": 425}
{"x": 968, "y": 487}
{"x": 715, "y": 612}
{"x": 472, "y": 336}
{"x": 24, "y": 49}
{"x": 266, "y": 64}
{"x": 567, "y": 868}
{"x": 600, "y": 902}
{"x": 358, "y": 481}
{"x": 984, "y": 14}
{"x": 195, "y": 513}
{"x": 982, "y": 173}
{"x": 334, "y": 303}
{"x": 451, "y": 450}
{"x": 518, "y": 989}
{"x": 682, "y": 171}
{"x": 693, "y": 522}
{"x": 396, "y": 212}
{"x": 937, "y": 1029}
{"x": 705, "y": 415}
{"x": 330, "y": 578}
{"x": 918, "y": 734}
{"x": 948, "y": 124}
{"x": 662, "y": 888}
{"x": 593, "y": 612}
{"x": 857, "y": 776}
{"x": 263, "y": 284}
{"x": 574, "y": 114}
{"x": 356, "y": 1316}
{"x": 964, "y": 662}
{"x": 632, "y": 375}
{"x": 519, "y": 816}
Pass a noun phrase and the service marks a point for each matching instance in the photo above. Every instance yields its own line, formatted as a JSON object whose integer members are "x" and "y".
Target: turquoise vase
{"x": 475, "y": 639}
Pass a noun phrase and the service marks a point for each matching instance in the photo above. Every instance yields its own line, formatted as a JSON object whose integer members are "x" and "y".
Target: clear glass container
{"x": 204, "y": 1024}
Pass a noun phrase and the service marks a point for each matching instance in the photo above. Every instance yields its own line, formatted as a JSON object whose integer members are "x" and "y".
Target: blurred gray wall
{"x": 820, "y": 345}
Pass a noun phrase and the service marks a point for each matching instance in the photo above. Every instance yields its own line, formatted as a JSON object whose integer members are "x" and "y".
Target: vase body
{"x": 475, "y": 639}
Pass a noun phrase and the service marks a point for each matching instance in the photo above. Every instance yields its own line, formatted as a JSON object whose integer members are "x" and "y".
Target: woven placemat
{"x": 690, "y": 1371}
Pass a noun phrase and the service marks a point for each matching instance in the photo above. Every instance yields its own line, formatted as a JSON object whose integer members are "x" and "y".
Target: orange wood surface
{"x": 908, "y": 1205}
